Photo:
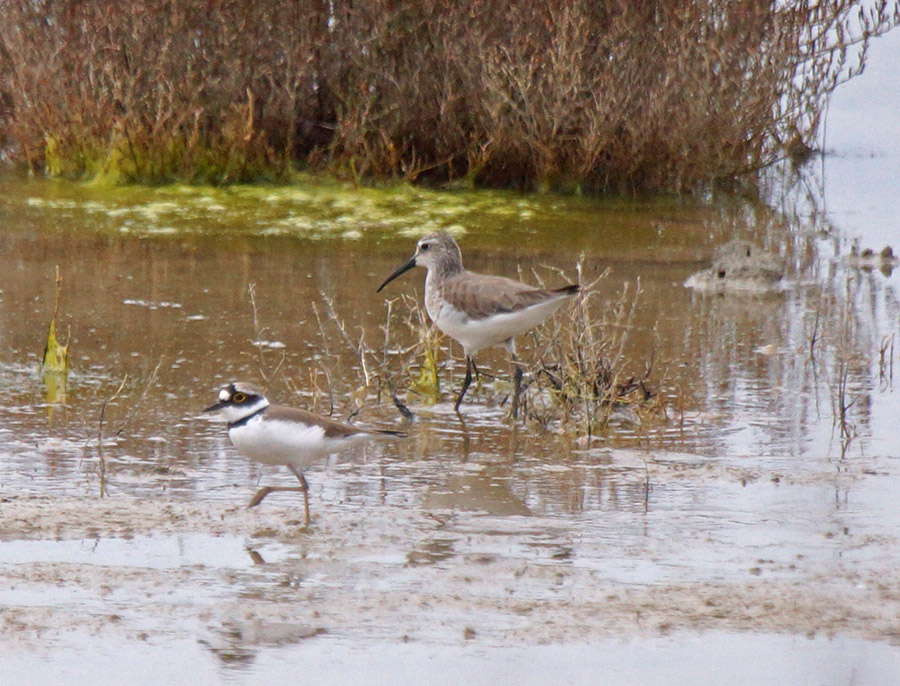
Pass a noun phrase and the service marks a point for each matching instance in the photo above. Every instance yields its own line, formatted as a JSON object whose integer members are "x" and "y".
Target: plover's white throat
{"x": 478, "y": 310}
{"x": 277, "y": 435}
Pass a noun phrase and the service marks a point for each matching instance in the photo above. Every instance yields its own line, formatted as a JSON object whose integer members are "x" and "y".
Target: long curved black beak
{"x": 213, "y": 408}
{"x": 400, "y": 270}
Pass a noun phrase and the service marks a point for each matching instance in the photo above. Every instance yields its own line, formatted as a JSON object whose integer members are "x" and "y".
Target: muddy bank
{"x": 233, "y": 578}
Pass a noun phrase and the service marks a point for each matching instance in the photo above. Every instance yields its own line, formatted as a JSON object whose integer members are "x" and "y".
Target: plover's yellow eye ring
{"x": 238, "y": 397}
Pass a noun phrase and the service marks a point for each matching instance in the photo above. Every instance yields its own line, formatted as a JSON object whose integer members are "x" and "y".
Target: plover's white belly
{"x": 477, "y": 334}
{"x": 280, "y": 443}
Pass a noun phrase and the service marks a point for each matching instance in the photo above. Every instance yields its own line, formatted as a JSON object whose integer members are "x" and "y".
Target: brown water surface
{"x": 747, "y": 519}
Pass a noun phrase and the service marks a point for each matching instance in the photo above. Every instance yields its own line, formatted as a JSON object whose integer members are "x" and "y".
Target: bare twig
{"x": 100, "y": 422}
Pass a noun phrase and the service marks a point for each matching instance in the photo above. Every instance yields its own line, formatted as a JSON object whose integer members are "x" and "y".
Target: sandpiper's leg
{"x": 468, "y": 380}
{"x": 517, "y": 385}
{"x": 304, "y": 486}
{"x": 510, "y": 344}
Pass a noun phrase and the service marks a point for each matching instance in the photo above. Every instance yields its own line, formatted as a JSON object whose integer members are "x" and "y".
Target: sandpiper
{"x": 479, "y": 310}
{"x": 277, "y": 435}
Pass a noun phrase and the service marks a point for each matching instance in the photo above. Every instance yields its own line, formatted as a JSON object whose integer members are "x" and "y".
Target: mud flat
{"x": 232, "y": 582}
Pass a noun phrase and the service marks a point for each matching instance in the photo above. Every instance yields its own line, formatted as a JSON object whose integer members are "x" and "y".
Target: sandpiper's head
{"x": 239, "y": 400}
{"x": 437, "y": 251}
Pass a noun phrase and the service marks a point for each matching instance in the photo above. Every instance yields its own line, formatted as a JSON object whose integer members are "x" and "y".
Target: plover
{"x": 278, "y": 435}
{"x": 479, "y": 310}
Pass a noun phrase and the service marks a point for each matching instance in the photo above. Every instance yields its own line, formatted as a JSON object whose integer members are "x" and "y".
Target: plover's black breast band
{"x": 241, "y": 422}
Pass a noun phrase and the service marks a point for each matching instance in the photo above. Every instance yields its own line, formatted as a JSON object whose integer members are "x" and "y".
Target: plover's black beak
{"x": 401, "y": 270}
{"x": 213, "y": 408}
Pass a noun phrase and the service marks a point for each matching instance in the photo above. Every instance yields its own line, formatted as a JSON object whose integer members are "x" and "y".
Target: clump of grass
{"x": 141, "y": 388}
{"x": 338, "y": 336}
{"x": 582, "y": 372}
{"x": 427, "y": 350}
{"x": 413, "y": 367}
{"x": 836, "y": 356}
{"x": 55, "y": 360}
{"x": 329, "y": 323}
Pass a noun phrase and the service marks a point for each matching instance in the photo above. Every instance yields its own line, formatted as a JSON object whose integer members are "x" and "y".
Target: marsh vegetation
{"x": 593, "y": 96}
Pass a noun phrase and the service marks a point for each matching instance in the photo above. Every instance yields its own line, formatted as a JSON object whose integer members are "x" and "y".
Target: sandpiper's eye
{"x": 425, "y": 246}
{"x": 238, "y": 398}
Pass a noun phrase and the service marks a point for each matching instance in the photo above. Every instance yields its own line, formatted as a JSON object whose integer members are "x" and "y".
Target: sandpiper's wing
{"x": 333, "y": 427}
{"x": 483, "y": 295}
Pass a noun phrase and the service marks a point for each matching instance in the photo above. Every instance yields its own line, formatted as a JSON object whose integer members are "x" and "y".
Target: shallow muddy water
{"x": 746, "y": 524}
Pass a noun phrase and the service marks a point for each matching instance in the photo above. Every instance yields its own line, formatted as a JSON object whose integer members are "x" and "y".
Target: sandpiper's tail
{"x": 571, "y": 289}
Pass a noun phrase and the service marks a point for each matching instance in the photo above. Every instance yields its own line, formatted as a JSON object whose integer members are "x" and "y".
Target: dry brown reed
{"x": 548, "y": 94}
{"x": 583, "y": 371}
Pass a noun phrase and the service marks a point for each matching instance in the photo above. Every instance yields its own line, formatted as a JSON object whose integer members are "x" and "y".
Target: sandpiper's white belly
{"x": 277, "y": 442}
{"x": 477, "y": 334}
